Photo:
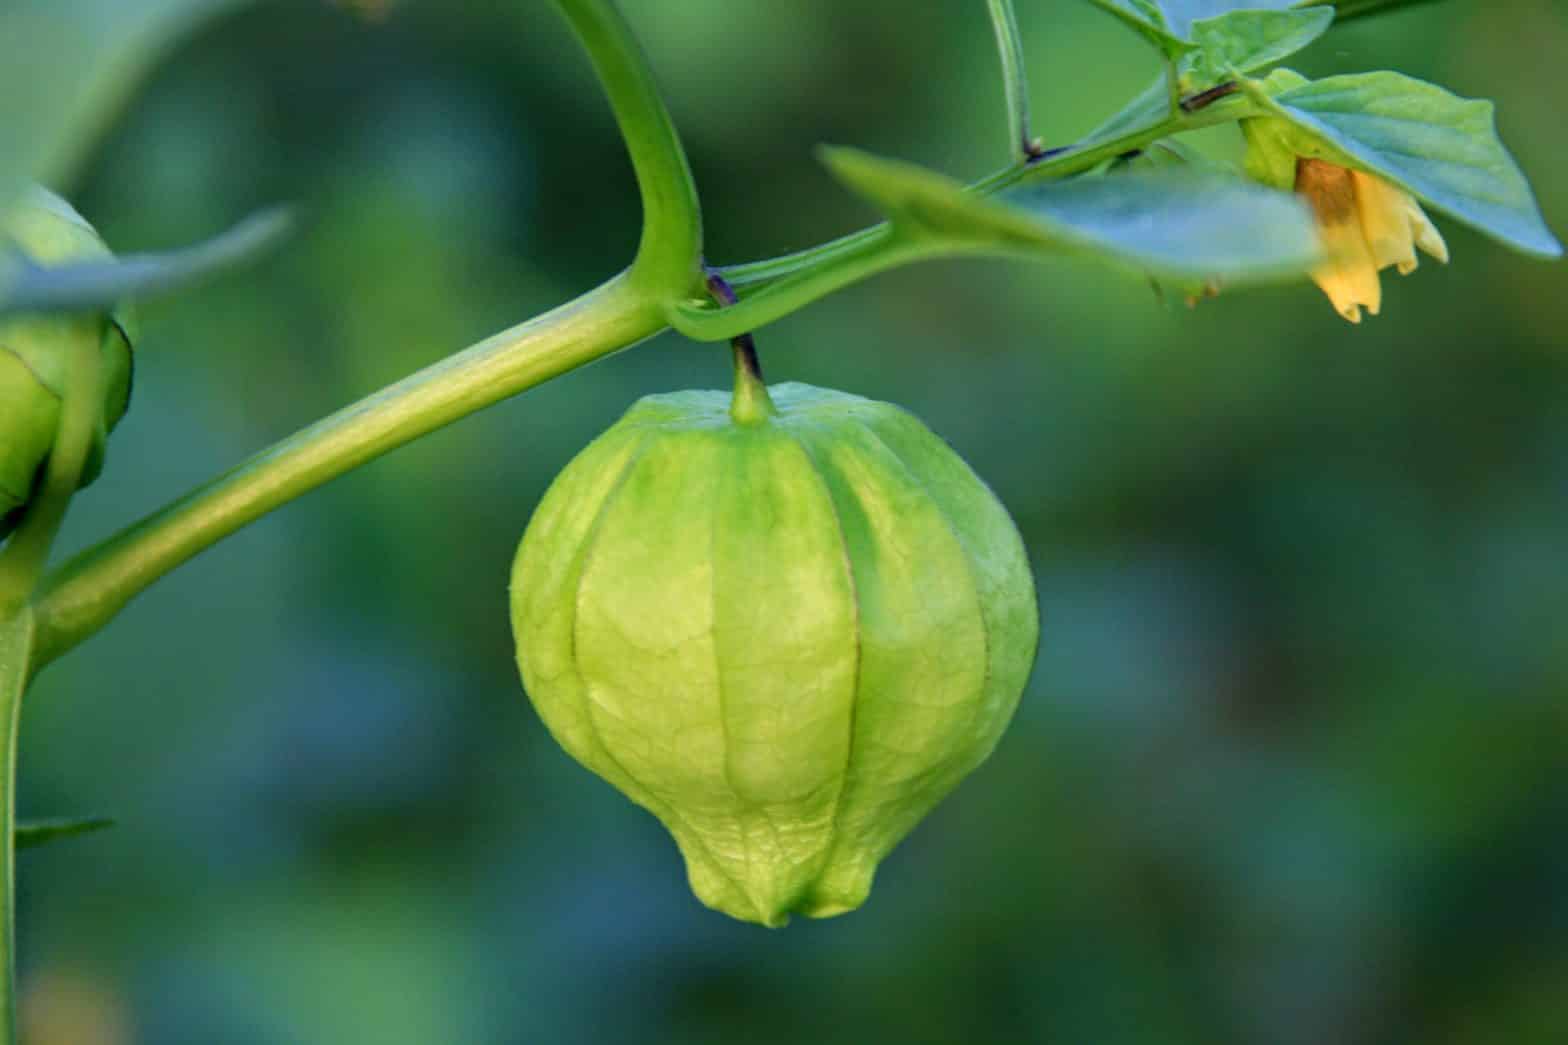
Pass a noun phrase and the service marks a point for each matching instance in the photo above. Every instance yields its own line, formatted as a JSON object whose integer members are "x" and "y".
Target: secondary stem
{"x": 84, "y": 594}
{"x": 16, "y": 633}
{"x": 81, "y": 417}
{"x": 1009, "y": 44}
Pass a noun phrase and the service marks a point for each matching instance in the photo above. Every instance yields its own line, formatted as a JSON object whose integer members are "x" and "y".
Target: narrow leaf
{"x": 41, "y": 832}
{"x": 32, "y": 288}
{"x": 1440, "y": 147}
{"x": 1173, "y": 223}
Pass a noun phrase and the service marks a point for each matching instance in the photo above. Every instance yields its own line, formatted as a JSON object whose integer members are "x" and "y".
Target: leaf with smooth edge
{"x": 1442, "y": 148}
{"x": 1248, "y": 40}
{"x": 1172, "y": 223}
{"x": 91, "y": 284}
{"x": 41, "y": 832}
{"x": 1182, "y": 15}
{"x": 1170, "y": 23}
{"x": 64, "y": 67}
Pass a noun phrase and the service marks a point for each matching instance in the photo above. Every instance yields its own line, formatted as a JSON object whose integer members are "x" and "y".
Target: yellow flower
{"x": 1367, "y": 224}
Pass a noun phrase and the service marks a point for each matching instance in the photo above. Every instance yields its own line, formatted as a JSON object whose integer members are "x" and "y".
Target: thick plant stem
{"x": 1010, "y": 46}
{"x": 84, "y": 595}
{"x": 669, "y": 259}
{"x": 16, "y": 633}
{"x": 88, "y": 591}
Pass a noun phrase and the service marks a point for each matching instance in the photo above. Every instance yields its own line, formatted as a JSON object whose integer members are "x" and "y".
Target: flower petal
{"x": 1385, "y": 220}
{"x": 1349, "y": 276}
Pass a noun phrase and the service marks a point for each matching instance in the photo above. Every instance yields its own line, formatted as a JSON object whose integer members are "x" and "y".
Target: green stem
{"x": 81, "y": 417}
{"x": 87, "y": 592}
{"x": 16, "y": 635}
{"x": 669, "y": 259}
{"x": 1015, "y": 80}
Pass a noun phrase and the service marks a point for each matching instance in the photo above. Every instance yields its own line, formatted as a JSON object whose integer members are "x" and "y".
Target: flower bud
{"x": 787, "y": 631}
{"x": 35, "y": 348}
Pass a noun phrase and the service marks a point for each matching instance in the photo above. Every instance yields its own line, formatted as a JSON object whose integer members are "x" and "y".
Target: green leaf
{"x": 1242, "y": 40}
{"x": 1182, "y": 15}
{"x": 1171, "y": 23}
{"x": 1247, "y": 40}
{"x": 66, "y": 65}
{"x": 1442, "y": 148}
{"x": 1172, "y": 223}
{"x": 32, "y": 288}
{"x": 42, "y": 832}
{"x": 1145, "y": 17}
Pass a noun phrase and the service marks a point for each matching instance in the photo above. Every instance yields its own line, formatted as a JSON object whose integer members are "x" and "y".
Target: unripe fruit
{"x": 788, "y": 631}
{"x": 35, "y": 349}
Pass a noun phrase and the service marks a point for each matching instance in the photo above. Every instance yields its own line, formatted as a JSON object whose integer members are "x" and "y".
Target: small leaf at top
{"x": 42, "y": 832}
{"x": 1173, "y": 223}
{"x": 1442, "y": 148}
{"x": 1170, "y": 23}
{"x": 1181, "y": 15}
{"x": 1245, "y": 41}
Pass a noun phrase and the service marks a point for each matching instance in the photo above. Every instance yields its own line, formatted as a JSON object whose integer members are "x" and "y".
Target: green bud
{"x": 786, "y": 632}
{"x": 34, "y": 352}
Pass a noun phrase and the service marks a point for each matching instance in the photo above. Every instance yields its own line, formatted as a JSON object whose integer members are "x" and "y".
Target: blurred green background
{"x": 1293, "y": 767}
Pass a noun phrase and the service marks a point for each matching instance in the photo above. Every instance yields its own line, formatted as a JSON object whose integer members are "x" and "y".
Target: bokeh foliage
{"x": 1292, "y": 766}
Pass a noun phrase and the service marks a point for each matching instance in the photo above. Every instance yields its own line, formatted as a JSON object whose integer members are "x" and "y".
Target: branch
{"x": 84, "y": 594}
{"x": 669, "y": 259}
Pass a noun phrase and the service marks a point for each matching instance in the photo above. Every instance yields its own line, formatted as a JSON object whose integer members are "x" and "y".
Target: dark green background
{"x": 1293, "y": 767}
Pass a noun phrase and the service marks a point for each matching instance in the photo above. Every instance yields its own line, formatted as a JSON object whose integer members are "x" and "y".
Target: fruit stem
{"x": 751, "y": 403}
